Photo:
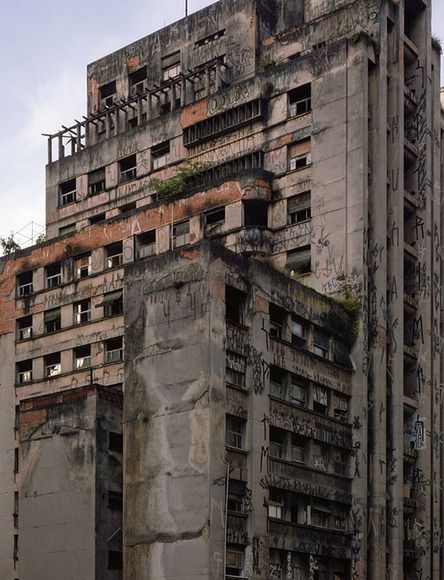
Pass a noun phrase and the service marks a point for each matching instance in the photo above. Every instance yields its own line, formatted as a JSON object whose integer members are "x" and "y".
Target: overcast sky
{"x": 45, "y": 46}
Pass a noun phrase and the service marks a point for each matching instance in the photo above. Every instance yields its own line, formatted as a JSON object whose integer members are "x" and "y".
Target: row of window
{"x": 299, "y": 155}
{"x": 52, "y": 319}
{"x": 52, "y": 363}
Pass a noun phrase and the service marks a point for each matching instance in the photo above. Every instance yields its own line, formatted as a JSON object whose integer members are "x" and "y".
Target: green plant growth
{"x": 183, "y": 179}
{"x": 346, "y": 319}
{"x": 436, "y": 42}
{"x": 9, "y": 245}
{"x": 40, "y": 239}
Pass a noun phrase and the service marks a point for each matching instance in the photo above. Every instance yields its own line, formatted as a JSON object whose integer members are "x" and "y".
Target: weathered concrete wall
{"x": 65, "y": 470}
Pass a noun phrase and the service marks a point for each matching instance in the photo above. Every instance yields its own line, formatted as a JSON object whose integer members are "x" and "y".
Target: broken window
{"x": 339, "y": 461}
{"x": 298, "y": 333}
{"x": 321, "y": 342}
{"x": 115, "y": 442}
{"x": 53, "y": 275}
{"x": 24, "y": 328}
{"x": 52, "y": 320}
{"x": 128, "y": 168}
{"x": 171, "y": 66}
{"x": 82, "y": 266}
{"x": 115, "y": 500}
{"x": 320, "y": 399}
{"x": 114, "y": 255}
{"x": 255, "y": 213}
{"x": 96, "y": 181}
{"x": 320, "y": 517}
{"x": 67, "y": 192}
{"x": 113, "y": 303}
{"x": 234, "y": 434}
{"x": 24, "y": 284}
{"x": 114, "y": 350}
{"x": 235, "y": 369}
{"x": 214, "y": 216}
{"x": 146, "y": 244}
{"x": 234, "y": 562}
{"x": 204, "y": 82}
{"x": 24, "y": 371}
{"x": 234, "y": 305}
{"x": 52, "y": 365}
{"x": 278, "y": 317}
{"x": 107, "y": 94}
{"x": 278, "y": 443}
{"x": 276, "y": 504}
{"x": 128, "y": 207}
{"x": 160, "y": 155}
{"x": 299, "y": 260}
{"x": 211, "y": 38}
{"x": 299, "y": 101}
{"x": 82, "y": 311}
{"x": 181, "y": 234}
{"x": 236, "y": 495}
{"x": 299, "y": 155}
{"x": 298, "y": 444}
{"x": 138, "y": 82}
{"x": 96, "y": 219}
{"x": 82, "y": 357}
{"x": 297, "y": 391}
{"x": 299, "y": 208}
{"x": 69, "y": 229}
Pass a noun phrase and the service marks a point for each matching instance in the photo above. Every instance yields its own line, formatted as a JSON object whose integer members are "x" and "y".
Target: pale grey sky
{"x": 45, "y": 46}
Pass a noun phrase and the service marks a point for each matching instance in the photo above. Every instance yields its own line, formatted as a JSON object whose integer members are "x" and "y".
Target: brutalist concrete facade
{"x": 312, "y": 136}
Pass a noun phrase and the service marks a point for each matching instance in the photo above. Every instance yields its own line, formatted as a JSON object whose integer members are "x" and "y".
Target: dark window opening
{"x": 137, "y": 81}
{"x": 211, "y": 38}
{"x": 299, "y": 260}
{"x": 53, "y": 275}
{"x": 234, "y": 434}
{"x": 256, "y": 213}
{"x": 114, "y": 350}
{"x": 160, "y": 155}
{"x": 107, "y": 93}
{"x": 278, "y": 443}
{"x": 299, "y": 155}
{"x": 128, "y": 207}
{"x": 321, "y": 343}
{"x": 278, "y": 318}
{"x": 146, "y": 244}
{"x": 96, "y": 219}
{"x": 299, "y": 101}
{"x": 215, "y": 216}
{"x": 299, "y": 208}
{"x": 68, "y": 192}
{"x": 234, "y": 562}
{"x": 24, "y": 371}
{"x": 128, "y": 168}
{"x": 96, "y": 181}
{"x": 24, "y": 284}
{"x": 170, "y": 66}
{"x": 52, "y": 320}
{"x": 235, "y": 369}
{"x": 82, "y": 266}
{"x": 113, "y": 304}
{"x": 52, "y": 364}
{"x": 82, "y": 311}
{"x": 298, "y": 333}
{"x": 114, "y": 255}
{"x": 236, "y": 495}
{"x": 82, "y": 357}
{"x": 234, "y": 305}
{"x": 24, "y": 328}
{"x": 181, "y": 234}
{"x": 69, "y": 229}
{"x": 115, "y": 442}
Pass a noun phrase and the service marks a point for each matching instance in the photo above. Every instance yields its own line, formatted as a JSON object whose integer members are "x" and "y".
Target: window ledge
{"x": 236, "y": 449}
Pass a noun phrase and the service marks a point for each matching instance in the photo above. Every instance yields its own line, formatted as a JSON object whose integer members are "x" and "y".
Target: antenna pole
{"x": 186, "y": 7}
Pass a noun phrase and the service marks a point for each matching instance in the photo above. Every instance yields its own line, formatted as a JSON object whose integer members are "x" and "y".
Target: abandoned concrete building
{"x": 225, "y": 362}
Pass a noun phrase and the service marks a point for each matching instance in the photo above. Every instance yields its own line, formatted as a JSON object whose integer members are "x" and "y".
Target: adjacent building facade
{"x": 244, "y": 244}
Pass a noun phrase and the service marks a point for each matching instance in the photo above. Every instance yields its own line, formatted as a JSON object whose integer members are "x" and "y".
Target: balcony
{"x": 300, "y": 538}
